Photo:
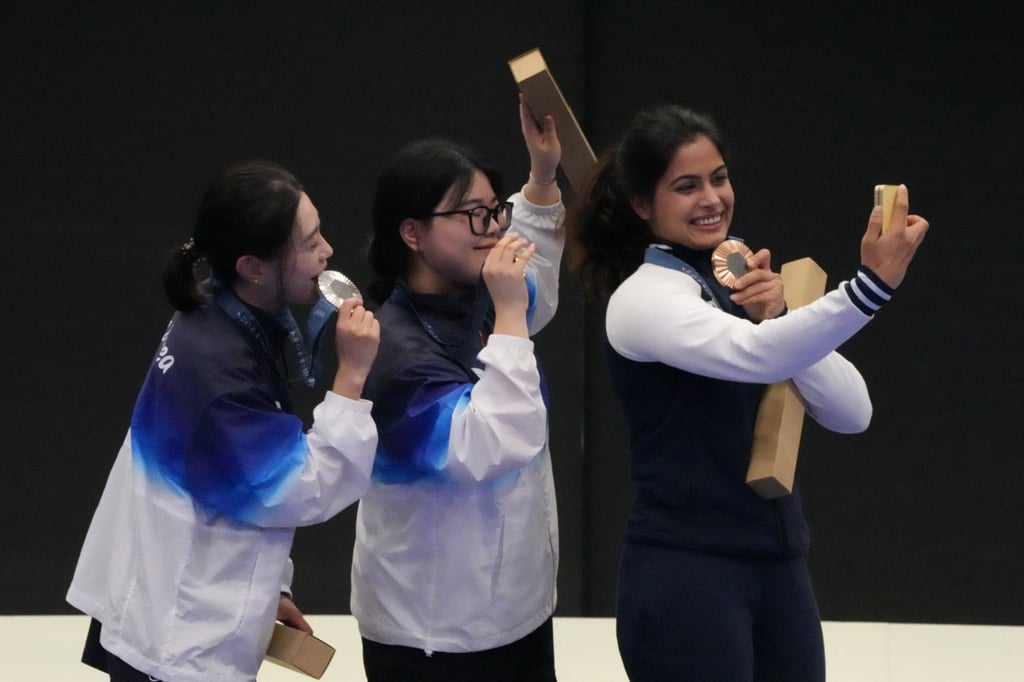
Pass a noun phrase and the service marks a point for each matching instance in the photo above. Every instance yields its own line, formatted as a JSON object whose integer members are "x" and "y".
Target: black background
{"x": 115, "y": 116}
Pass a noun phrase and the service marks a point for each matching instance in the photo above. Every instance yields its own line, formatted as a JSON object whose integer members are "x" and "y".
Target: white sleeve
{"x": 835, "y": 395}
{"x": 286, "y": 577}
{"x": 341, "y": 445}
{"x": 503, "y": 426}
{"x": 657, "y": 315}
{"x": 542, "y": 225}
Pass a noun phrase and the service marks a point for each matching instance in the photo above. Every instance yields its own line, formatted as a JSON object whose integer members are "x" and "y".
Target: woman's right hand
{"x": 888, "y": 255}
{"x": 356, "y": 339}
{"x": 504, "y": 273}
{"x": 545, "y": 150}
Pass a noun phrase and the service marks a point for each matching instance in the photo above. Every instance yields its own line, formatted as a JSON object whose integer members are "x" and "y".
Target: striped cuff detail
{"x": 867, "y": 291}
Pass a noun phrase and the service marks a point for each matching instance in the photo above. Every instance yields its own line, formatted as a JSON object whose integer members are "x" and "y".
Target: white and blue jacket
{"x": 456, "y": 544}
{"x": 188, "y": 549}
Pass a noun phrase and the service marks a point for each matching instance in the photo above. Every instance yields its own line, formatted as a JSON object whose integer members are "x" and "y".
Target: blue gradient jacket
{"x": 457, "y": 539}
{"x": 188, "y": 549}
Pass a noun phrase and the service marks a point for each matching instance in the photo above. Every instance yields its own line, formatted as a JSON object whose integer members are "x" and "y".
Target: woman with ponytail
{"x": 456, "y": 551}
{"x": 185, "y": 566}
{"x": 713, "y": 581}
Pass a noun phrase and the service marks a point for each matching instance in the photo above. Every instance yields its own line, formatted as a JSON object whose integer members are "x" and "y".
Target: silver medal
{"x": 336, "y": 287}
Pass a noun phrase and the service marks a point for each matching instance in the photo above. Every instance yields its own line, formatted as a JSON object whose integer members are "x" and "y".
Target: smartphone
{"x": 885, "y": 196}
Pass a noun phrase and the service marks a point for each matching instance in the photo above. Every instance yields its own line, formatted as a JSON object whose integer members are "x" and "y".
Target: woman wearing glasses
{"x": 456, "y": 549}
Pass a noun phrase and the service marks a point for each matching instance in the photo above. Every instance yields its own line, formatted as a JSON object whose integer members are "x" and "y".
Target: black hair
{"x": 249, "y": 209}
{"x": 412, "y": 185}
{"x": 606, "y": 238}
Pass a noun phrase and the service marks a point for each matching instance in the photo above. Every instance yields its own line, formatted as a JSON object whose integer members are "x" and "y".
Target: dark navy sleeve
{"x": 414, "y": 419}
{"x": 209, "y": 424}
{"x": 242, "y": 456}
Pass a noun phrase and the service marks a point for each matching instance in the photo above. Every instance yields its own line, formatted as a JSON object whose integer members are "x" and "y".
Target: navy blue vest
{"x": 690, "y": 439}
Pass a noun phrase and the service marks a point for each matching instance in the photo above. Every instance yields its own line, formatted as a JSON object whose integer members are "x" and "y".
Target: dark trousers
{"x": 530, "y": 659}
{"x": 685, "y": 615}
{"x": 96, "y": 656}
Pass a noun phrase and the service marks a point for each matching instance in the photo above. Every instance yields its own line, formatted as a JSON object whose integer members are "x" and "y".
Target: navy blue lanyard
{"x": 307, "y": 354}
{"x": 480, "y": 308}
{"x": 315, "y": 323}
{"x": 656, "y": 254}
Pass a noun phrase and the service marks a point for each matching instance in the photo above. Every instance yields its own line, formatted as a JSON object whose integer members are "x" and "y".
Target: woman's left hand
{"x": 289, "y": 614}
{"x": 760, "y": 290}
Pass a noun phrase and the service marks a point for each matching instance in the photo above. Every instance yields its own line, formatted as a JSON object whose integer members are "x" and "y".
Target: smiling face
{"x": 693, "y": 201}
{"x": 446, "y": 254}
{"x": 306, "y": 256}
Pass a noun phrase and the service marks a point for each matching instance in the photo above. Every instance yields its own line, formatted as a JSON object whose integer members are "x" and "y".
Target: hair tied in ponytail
{"x": 189, "y": 252}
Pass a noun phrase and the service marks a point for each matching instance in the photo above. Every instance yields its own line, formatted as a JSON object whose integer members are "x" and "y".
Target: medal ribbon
{"x": 307, "y": 354}
{"x": 657, "y": 254}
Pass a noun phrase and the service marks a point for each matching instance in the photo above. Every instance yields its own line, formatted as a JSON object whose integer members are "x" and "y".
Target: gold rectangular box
{"x": 299, "y": 651}
{"x": 544, "y": 97}
{"x": 885, "y": 196}
{"x": 780, "y": 417}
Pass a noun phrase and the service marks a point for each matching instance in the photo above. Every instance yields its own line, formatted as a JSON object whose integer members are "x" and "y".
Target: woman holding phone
{"x": 713, "y": 581}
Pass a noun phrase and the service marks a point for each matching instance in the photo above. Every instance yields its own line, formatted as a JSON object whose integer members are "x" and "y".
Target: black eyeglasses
{"x": 480, "y": 217}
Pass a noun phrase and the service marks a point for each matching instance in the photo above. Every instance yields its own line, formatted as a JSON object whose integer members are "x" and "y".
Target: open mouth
{"x": 708, "y": 221}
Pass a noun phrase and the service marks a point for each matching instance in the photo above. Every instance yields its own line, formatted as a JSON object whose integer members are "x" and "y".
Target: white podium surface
{"x": 48, "y": 648}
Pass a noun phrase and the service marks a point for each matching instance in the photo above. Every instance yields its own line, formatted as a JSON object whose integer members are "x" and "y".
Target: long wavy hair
{"x": 605, "y": 237}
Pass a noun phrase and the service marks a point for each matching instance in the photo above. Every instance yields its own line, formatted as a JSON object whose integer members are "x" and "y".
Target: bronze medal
{"x": 729, "y": 261}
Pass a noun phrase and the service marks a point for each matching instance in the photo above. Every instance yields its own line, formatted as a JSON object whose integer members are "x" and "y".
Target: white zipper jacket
{"x": 188, "y": 550}
{"x": 457, "y": 539}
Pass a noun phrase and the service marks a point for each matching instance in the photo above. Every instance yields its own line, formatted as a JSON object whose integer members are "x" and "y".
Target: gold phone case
{"x": 885, "y": 196}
